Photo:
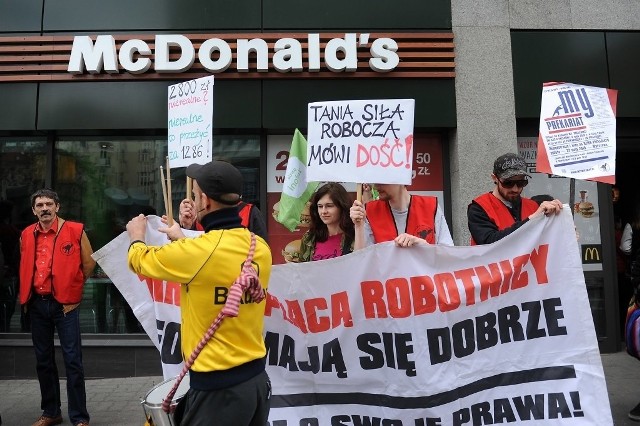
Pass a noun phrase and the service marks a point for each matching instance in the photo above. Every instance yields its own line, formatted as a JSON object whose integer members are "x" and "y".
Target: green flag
{"x": 296, "y": 191}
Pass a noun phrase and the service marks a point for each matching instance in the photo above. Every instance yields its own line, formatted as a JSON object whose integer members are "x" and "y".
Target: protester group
{"x": 230, "y": 264}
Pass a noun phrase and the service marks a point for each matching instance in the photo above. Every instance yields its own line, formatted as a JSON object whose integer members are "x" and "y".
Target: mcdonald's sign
{"x": 591, "y": 253}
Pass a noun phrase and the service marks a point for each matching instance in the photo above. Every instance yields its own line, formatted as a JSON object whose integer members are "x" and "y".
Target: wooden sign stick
{"x": 169, "y": 200}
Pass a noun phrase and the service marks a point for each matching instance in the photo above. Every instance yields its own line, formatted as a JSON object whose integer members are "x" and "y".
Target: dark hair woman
{"x": 331, "y": 231}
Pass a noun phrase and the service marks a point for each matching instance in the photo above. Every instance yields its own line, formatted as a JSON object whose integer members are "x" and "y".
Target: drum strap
{"x": 247, "y": 281}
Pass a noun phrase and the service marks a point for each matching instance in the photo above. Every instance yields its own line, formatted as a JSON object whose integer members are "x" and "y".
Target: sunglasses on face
{"x": 521, "y": 183}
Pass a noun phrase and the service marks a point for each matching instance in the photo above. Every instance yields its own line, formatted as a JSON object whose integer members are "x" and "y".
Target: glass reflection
{"x": 23, "y": 172}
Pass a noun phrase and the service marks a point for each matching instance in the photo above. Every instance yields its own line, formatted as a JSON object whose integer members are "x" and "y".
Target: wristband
{"x": 136, "y": 241}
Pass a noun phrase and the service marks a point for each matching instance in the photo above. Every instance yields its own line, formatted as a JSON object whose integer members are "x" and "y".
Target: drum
{"x": 152, "y": 402}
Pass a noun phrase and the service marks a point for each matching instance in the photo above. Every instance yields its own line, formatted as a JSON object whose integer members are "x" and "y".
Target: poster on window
{"x": 577, "y": 136}
{"x": 427, "y": 178}
{"x": 586, "y": 211}
{"x": 190, "y": 122}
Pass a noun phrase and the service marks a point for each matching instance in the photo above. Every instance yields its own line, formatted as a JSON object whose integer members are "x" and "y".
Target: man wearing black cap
{"x": 228, "y": 381}
{"x": 250, "y": 217}
{"x": 498, "y": 213}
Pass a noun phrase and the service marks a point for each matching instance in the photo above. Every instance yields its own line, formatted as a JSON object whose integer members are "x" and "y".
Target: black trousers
{"x": 245, "y": 404}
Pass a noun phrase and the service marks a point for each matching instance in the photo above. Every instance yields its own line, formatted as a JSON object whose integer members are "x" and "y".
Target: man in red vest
{"x": 54, "y": 244}
{"x": 496, "y": 214}
{"x": 398, "y": 216}
{"x": 250, "y": 217}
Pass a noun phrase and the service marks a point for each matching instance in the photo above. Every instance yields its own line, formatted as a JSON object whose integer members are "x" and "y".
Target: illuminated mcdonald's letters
{"x": 215, "y": 54}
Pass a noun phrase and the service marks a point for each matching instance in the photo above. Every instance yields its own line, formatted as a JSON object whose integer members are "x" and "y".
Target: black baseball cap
{"x": 219, "y": 180}
{"x": 510, "y": 165}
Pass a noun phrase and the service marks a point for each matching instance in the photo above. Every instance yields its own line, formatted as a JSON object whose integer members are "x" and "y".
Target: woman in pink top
{"x": 331, "y": 231}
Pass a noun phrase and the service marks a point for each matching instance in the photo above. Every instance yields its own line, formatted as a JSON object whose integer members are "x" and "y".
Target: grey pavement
{"x": 117, "y": 401}
{"x": 109, "y": 401}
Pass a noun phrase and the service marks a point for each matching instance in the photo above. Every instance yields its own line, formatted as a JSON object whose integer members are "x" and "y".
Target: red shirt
{"x": 44, "y": 258}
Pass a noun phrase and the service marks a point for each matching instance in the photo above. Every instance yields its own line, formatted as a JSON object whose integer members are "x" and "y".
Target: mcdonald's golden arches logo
{"x": 591, "y": 253}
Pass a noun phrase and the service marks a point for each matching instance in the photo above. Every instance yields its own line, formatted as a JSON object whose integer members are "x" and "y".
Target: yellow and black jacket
{"x": 206, "y": 266}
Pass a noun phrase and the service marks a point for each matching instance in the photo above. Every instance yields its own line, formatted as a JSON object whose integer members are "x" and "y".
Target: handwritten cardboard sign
{"x": 190, "y": 122}
{"x": 361, "y": 141}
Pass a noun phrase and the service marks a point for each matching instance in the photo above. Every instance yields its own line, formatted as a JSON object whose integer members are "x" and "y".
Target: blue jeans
{"x": 47, "y": 315}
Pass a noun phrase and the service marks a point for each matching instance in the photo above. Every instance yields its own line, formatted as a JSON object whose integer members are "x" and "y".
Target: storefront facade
{"x": 97, "y": 136}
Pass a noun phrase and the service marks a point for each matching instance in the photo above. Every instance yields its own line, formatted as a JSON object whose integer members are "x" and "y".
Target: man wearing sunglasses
{"x": 498, "y": 213}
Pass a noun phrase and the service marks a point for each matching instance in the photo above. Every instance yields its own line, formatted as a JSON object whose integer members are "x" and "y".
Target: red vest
{"x": 244, "y": 211}
{"x": 420, "y": 219}
{"x": 500, "y": 214}
{"x": 66, "y": 269}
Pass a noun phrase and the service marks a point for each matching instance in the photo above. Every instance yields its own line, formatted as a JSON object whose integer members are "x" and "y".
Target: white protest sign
{"x": 360, "y": 141}
{"x": 427, "y": 335}
{"x": 578, "y": 132}
{"x": 190, "y": 122}
{"x": 436, "y": 335}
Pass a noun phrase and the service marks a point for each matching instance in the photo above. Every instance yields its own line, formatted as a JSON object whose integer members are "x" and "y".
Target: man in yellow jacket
{"x": 228, "y": 381}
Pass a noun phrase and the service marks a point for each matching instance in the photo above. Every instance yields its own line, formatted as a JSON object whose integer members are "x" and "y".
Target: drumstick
{"x": 164, "y": 188}
{"x": 170, "y": 201}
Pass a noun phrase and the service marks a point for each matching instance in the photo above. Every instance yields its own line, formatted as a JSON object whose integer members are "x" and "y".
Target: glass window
{"x": 244, "y": 153}
{"x": 100, "y": 184}
{"x": 586, "y": 221}
{"x": 104, "y": 182}
{"x": 22, "y": 172}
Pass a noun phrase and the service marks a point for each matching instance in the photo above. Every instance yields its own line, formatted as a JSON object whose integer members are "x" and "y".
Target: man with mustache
{"x": 54, "y": 244}
{"x": 497, "y": 213}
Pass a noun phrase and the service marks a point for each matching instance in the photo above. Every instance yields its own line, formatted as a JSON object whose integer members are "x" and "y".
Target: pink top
{"x": 328, "y": 249}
